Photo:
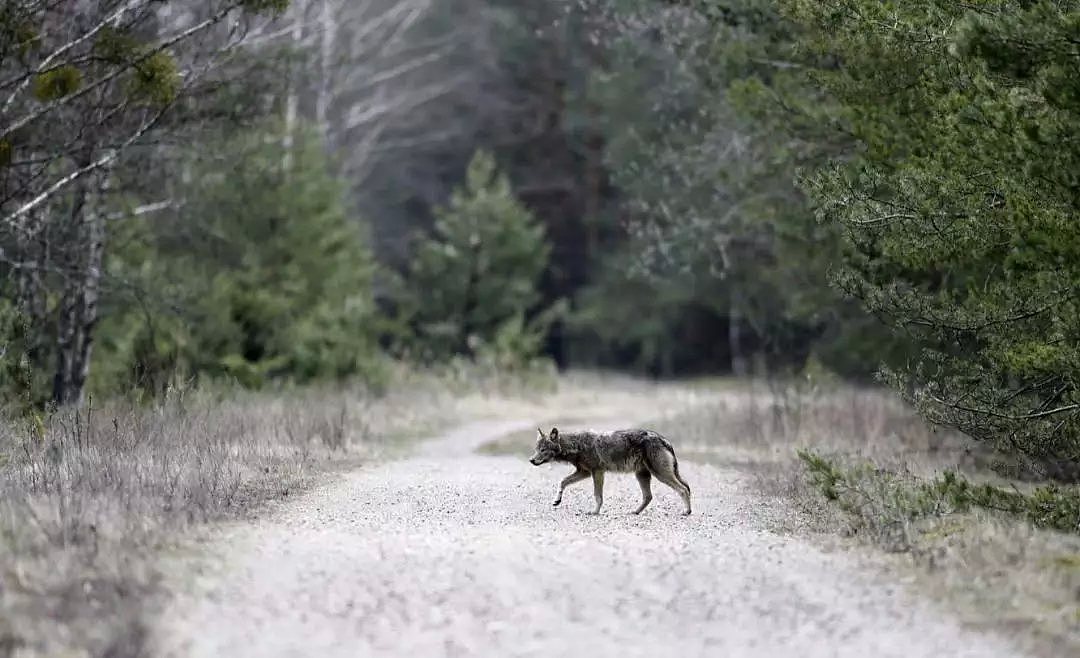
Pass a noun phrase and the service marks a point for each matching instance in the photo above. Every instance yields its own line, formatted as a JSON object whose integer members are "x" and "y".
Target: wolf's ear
{"x": 554, "y": 434}
{"x": 540, "y": 432}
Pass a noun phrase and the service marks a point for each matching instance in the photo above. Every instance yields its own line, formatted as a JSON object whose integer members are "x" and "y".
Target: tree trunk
{"x": 78, "y": 312}
{"x": 735, "y": 346}
{"x": 32, "y": 255}
{"x": 471, "y": 303}
{"x": 292, "y": 95}
{"x": 328, "y": 19}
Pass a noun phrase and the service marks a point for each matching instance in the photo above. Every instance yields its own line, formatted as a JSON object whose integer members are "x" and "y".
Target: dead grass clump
{"x": 88, "y": 496}
{"x": 930, "y": 498}
{"x": 983, "y": 547}
{"x": 765, "y": 422}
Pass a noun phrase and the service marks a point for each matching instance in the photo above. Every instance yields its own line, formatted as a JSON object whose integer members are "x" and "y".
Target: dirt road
{"x": 453, "y": 554}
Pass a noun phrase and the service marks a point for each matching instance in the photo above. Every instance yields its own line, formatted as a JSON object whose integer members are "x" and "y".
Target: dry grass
{"x": 586, "y": 398}
{"x": 86, "y": 505}
{"x": 995, "y": 571}
{"x": 520, "y": 443}
{"x": 88, "y": 498}
{"x": 764, "y": 423}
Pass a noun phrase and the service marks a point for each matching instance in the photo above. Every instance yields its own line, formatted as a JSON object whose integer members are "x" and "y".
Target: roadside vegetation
{"x": 88, "y": 497}
{"x": 91, "y": 497}
{"x": 233, "y": 232}
{"x": 855, "y": 468}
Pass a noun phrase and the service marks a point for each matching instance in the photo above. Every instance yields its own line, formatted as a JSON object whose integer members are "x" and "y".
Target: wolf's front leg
{"x": 598, "y": 489}
{"x": 576, "y": 476}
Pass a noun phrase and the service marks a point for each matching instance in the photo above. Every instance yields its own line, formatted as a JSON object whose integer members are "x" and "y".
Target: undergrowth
{"x": 88, "y": 496}
{"x": 844, "y": 464}
{"x": 886, "y": 501}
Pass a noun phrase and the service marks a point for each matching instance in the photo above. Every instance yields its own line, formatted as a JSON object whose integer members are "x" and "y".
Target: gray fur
{"x": 642, "y": 452}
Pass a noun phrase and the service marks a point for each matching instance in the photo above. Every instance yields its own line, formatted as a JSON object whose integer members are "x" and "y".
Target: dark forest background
{"x": 274, "y": 192}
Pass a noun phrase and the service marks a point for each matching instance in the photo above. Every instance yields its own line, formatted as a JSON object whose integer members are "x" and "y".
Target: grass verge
{"x": 928, "y": 502}
{"x": 89, "y": 498}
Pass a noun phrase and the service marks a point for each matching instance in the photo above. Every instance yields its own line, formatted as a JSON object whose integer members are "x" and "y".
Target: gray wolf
{"x": 641, "y": 452}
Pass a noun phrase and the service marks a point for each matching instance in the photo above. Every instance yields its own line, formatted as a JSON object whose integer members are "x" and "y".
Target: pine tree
{"x": 264, "y": 271}
{"x": 479, "y": 268}
{"x": 959, "y": 207}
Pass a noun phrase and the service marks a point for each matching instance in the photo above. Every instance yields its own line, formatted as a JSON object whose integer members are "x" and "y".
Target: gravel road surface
{"x": 449, "y": 553}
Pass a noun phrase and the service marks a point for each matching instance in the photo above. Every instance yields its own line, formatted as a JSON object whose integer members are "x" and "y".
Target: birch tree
{"x": 83, "y": 85}
{"x": 361, "y": 69}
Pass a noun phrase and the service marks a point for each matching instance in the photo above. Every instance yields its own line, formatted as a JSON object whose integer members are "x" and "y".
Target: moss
{"x": 57, "y": 83}
{"x": 265, "y": 6}
{"x": 19, "y": 32}
{"x": 156, "y": 79}
{"x": 26, "y": 39}
{"x": 116, "y": 47}
{"x": 1068, "y": 562}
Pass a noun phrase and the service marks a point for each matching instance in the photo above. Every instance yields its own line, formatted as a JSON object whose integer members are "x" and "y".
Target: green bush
{"x": 880, "y": 501}
{"x": 473, "y": 281}
{"x": 22, "y": 388}
{"x": 261, "y": 274}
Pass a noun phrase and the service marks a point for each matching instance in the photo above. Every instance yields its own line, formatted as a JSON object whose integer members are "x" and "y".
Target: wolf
{"x": 642, "y": 452}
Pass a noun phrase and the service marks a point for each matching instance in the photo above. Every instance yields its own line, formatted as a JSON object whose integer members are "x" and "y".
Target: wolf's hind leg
{"x": 644, "y": 480}
{"x": 576, "y": 476}
{"x": 598, "y": 489}
{"x": 664, "y": 466}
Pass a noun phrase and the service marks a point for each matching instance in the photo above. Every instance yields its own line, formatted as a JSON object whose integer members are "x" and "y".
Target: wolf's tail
{"x": 674, "y": 461}
{"x": 676, "y": 469}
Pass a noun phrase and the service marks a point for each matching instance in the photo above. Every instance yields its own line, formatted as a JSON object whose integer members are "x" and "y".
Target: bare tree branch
{"x": 117, "y": 72}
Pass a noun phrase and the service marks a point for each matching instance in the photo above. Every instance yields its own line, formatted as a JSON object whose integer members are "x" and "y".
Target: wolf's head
{"x": 547, "y": 447}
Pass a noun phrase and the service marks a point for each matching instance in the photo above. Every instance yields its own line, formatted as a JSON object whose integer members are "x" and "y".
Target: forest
{"x": 274, "y": 193}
